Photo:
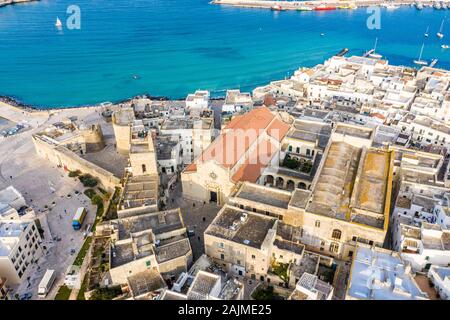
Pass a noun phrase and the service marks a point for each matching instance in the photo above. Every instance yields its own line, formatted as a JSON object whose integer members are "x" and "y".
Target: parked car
{"x": 26, "y": 296}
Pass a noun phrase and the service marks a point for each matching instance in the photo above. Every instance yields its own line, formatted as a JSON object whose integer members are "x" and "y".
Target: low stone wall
{"x": 61, "y": 156}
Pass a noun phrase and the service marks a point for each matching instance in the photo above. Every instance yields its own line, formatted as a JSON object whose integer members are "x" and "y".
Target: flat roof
{"x": 123, "y": 117}
{"x": 10, "y": 232}
{"x": 264, "y": 195}
{"x": 159, "y": 222}
{"x": 145, "y": 282}
{"x": 202, "y": 286}
{"x": 387, "y": 273}
{"x": 250, "y": 231}
{"x": 140, "y": 191}
{"x": 137, "y": 248}
{"x": 172, "y": 250}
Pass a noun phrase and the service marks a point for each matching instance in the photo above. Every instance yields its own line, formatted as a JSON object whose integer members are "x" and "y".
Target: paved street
{"x": 196, "y": 215}
{"x": 52, "y": 195}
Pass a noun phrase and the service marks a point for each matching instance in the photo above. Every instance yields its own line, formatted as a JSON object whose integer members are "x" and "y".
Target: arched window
{"x": 336, "y": 234}
{"x": 334, "y": 247}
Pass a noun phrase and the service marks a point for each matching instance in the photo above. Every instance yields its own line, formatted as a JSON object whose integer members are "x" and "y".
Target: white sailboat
{"x": 374, "y": 53}
{"x": 426, "y": 32}
{"x": 440, "y": 34}
{"x": 58, "y": 23}
{"x": 419, "y": 61}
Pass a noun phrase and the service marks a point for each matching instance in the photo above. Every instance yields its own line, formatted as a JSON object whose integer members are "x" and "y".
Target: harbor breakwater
{"x": 295, "y": 5}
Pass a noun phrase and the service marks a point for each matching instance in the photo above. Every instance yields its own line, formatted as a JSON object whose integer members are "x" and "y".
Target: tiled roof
{"x": 258, "y": 159}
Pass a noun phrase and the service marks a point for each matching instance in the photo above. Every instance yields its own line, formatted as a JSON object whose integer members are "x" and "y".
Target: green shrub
{"x": 90, "y": 193}
{"x": 63, "y": 293}
{"x": 88, "y": 180}
{"x": 290, "y": 163}
{"x": 97, "y": 200}
{"x": 106, "y": 293}
{"x": 74, "y": 174}
{"x": 264, "y": 294}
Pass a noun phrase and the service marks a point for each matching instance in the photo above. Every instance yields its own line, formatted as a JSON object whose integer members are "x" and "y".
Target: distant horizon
{"x": 161, "y": 49}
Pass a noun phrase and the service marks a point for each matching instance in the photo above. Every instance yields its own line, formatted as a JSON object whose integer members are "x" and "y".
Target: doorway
{"x": 213, "y": 196}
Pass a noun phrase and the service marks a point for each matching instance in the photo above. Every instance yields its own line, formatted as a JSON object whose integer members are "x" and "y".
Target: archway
{"x": 302, "y": 185}
{"x": 290, "y": 185}
{"x": 279, "y": 182}
{"x": 269, "y": 180}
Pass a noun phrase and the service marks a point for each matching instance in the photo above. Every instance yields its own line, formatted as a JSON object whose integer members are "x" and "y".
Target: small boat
{"x": 419, "y": 61}
{"x": 343, "y": 7}
{"x": 426, "y": 32}
{"x": 372, "y": 53}
{"x": 444, "y": 6}
{"x": 389, "y": 6}
{"x": 445, "y": 46}
{"x": 276, "y": 8}
{"x": 58, "y": 23}
{"x": 437, "y": 6}
{"x": 342, "y": 52}
{"x": 322, "y": 34}
{"x": 433, "y": 63}
{"x": 419, "y": 6}
{"x": 302, "y": 8}
{"x": 440, "y": 34}
{"x": 324, "y": 7}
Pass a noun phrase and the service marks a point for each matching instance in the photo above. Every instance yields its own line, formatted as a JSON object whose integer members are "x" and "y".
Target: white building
{"x": 236, "y": 101}
{"x": 310, "y": 287}
{"x": 169, "y": 154}
{"x": 198, "y": 100}
{"x": 440, "y": 277}
{"x": 12, "y": 197}
{"x": 379, "y": 274}
{"x": 19, "y": 247}
{"x": 195, "y": 135}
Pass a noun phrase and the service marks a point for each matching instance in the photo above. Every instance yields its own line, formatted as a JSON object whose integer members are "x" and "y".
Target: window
{"x": 317, "y": 224}
{"x": 336, "y": 234}
{"x": 220, "y": 245}
{"x": 298, "y": 149}
{"x": 253, "y": 257}
{"x": 290, "y": 148}
{"x": 144, "y": 168}
{"x": 371, "y": 243}
{"x": 222, "y": 256}
{"x": 334, "y": 247}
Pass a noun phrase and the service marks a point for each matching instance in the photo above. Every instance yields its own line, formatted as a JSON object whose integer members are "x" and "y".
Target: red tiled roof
{"x": 278, "y": 129}
{"x": 191, "y": 168}
{"x": 238, "y": 136}
{"x": 257, "y": 160}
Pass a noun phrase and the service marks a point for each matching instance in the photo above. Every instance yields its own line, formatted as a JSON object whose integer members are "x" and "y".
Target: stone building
{"x": 247, "y": 145}
{"x": 121, "y": 121}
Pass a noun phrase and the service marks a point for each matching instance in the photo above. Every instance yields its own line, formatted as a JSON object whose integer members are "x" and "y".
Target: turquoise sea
{"x": 177, "y": 46}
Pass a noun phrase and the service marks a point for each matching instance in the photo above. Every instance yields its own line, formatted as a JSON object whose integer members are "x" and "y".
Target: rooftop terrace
{"x": 241, "y": 226}
{"x": 158, "y": 222}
